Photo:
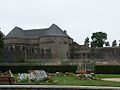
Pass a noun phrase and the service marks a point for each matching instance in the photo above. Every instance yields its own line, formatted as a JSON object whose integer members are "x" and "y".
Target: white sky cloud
{"x": 79, "y": 17}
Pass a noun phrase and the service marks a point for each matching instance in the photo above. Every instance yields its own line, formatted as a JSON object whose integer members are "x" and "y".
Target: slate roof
{"x": 53, "y": 30}
{"x": 16, "y": 32}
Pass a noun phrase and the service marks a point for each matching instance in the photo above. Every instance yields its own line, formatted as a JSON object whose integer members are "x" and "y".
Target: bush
{"x": 48, "y": 68}
{"x": 107, "y": 69}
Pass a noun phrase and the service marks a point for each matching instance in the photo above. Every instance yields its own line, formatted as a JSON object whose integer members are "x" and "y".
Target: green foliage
{"x": 107, "y": 43}
{"x": 86, "y": 42}
{"x": 107, "y": 75}
{"x": 1, "y": 39}
{"x": 119, "y": 43}
{"x": 114, "y": 43}
{"x": 71, "y": 80}
{"x": 21, "y": 60}
{"x": 107, "y": 69}
{"x": 98, "y": 39}
{"x": 48, "y": 68}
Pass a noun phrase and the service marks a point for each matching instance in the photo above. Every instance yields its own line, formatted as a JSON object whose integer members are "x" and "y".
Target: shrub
{"x": 107, "y": 69}
{"x": 17, "y": 68}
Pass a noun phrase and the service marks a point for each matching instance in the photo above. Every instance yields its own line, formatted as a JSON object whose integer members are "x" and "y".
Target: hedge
{"x": 107, "y": 69}
{"x": 47, "y": 68}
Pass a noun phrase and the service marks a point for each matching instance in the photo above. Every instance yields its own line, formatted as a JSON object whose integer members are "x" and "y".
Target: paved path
{"x": 112, "y": 79}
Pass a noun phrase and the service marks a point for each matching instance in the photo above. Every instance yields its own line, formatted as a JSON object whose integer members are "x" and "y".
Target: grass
{"x": 108, "y": 75}
{"x": 73, "y": 81}
{"x": 70, "y": 80}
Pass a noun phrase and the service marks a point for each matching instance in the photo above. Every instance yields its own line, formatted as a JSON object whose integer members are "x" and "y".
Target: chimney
{"x": 65, "y": 31}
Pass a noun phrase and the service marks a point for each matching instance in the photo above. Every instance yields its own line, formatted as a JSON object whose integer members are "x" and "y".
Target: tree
{"x": 86, "y": 42}
{"x": 1, "y": 39}
{"x": 98, "y": 39}
{"x": 119, "y": 43}
{"x": 114, "y": 43}
{"x": 107, "y": 43}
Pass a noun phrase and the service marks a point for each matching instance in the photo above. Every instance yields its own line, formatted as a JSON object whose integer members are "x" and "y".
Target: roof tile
{"x": 53, "y": 30}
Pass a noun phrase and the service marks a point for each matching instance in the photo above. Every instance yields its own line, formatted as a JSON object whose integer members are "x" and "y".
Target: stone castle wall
{"x": 60, "y": 46}
{"x": 18, "y": 54}
{"x": 54, "y": 48}
{"x": 107, "y": 54}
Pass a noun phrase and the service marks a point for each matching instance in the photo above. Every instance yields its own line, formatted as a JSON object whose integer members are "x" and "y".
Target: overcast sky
{"x": 79, "y": 17}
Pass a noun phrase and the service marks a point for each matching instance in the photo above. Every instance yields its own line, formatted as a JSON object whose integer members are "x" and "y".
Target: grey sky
{"x": 79, "y": 17}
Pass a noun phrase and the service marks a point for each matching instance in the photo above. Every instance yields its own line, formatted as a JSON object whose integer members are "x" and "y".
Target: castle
{"x": 50, "y": 45}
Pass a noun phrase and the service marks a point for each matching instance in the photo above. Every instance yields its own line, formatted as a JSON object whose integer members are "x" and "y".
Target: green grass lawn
{"x": 108, "y": 75}
{"x": 71, "y": 80}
